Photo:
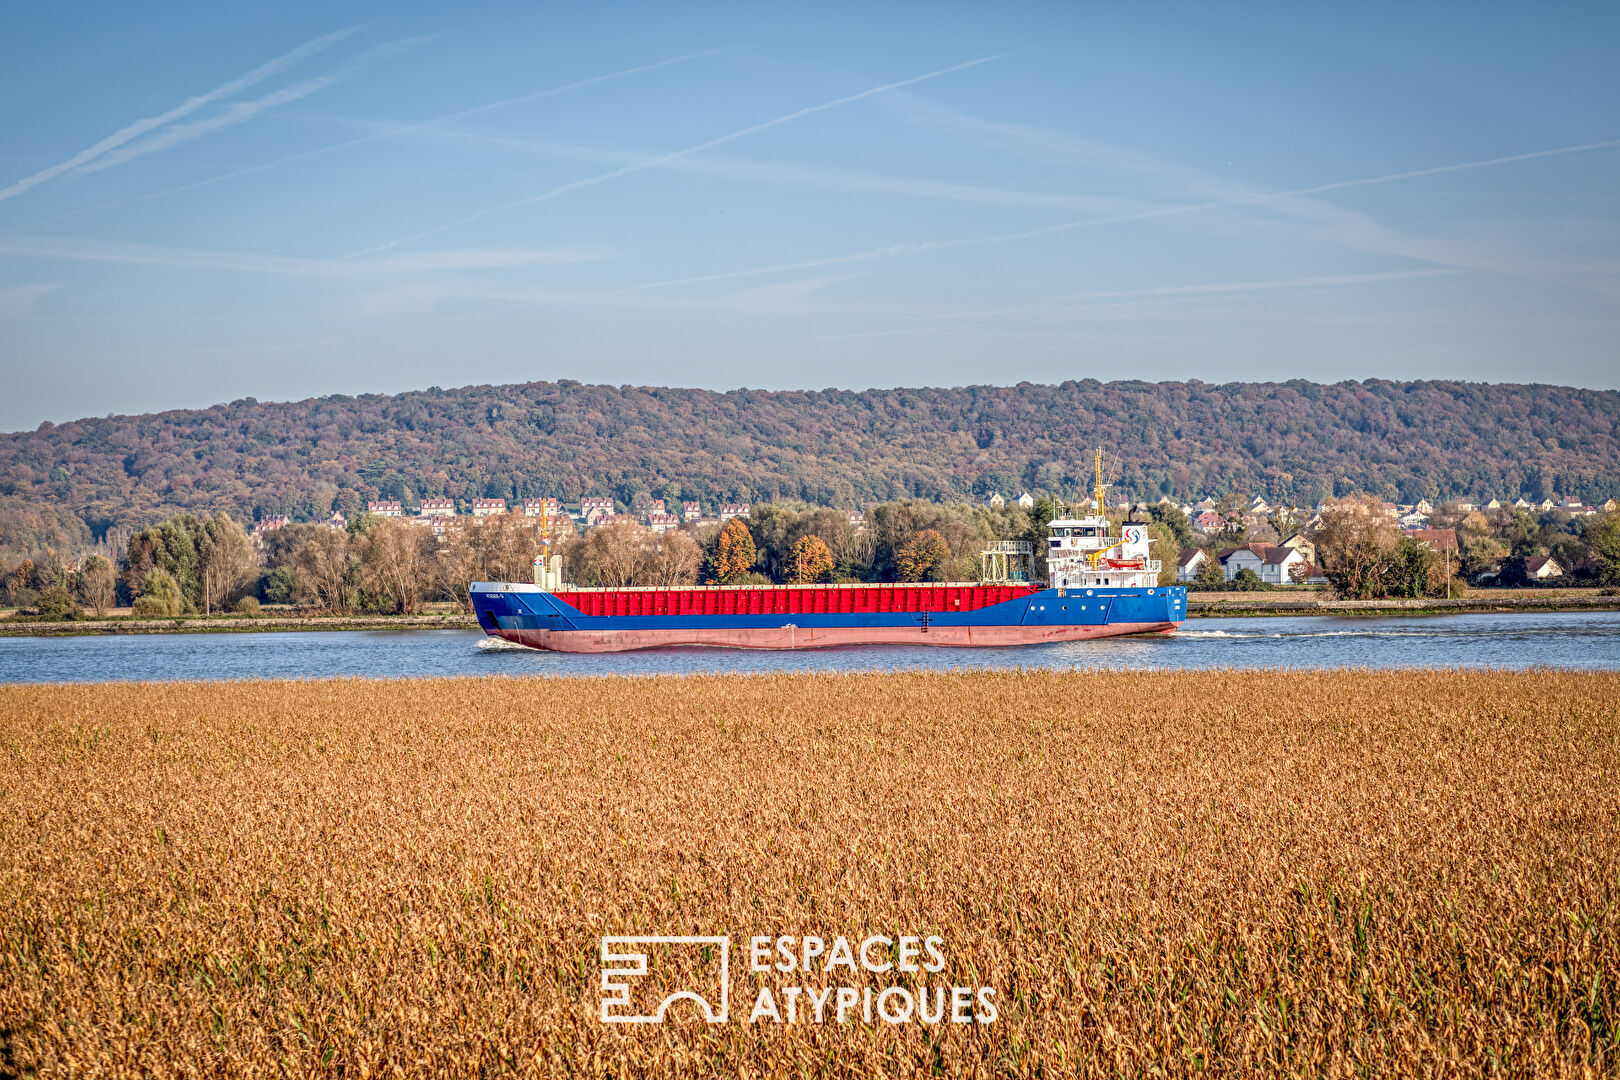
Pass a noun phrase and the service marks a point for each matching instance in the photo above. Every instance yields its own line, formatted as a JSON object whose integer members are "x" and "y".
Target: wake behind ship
{"x": 1097, "y": 587}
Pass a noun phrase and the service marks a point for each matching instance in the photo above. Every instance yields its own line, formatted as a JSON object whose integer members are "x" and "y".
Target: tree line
{"x": 70, "y": 487}
{"x": 191, "y": 564}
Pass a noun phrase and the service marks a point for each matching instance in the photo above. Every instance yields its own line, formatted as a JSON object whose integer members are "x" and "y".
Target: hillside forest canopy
{"x": 92, "y": 484}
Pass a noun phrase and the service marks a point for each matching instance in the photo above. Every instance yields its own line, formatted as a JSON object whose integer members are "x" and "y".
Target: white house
{"x": 483, "y": 508}
{"x": 1542, "y": 567}
{"x": 1027, "y": 501}
{"x": 1270, "y": 562}
{"x": 731, "y": 510}
{"x": 691, "y": 511}
{"x": 385, "y": 508}
{"x": 661, "y": 523}
{"x": 994, "y": 500}
{"x": 1190, "y": 562}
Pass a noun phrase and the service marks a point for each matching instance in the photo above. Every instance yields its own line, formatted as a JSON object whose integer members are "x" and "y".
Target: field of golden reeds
{"x": 1239, "y": 874}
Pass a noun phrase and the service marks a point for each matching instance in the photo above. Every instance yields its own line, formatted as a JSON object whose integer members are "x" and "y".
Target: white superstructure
{"x": 1081, "y": 553}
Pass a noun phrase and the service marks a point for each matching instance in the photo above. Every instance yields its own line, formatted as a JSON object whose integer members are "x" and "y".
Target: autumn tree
{"x": 1357, "y": 544}
{"x": 923, "y": 556}
{"x": 395, "y": 564}
{"x": 225, "y": 562}
{"x": 734, "y": 552}
{"x": 96, "y": 584}
{"x": 809, "y": 561}
{"x": 609, "y": 556}
{"x": 676, "y": 559}
{"x": 501, "y": 548}
{"x": 325, "y": 573}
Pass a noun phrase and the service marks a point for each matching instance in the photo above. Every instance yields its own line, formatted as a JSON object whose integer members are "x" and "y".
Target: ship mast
{"x": 1097, "y": 496}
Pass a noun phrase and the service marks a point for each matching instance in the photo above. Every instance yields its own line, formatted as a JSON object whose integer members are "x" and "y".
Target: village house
{"x": 661, "y": 523}
{"x": 336, "y": 521}
{"x": 691, "y": 511}
{"x": 595, "y": 508}
{"x": 1542, "y": 567}
{"x": 1209, "y": 521}
{"x": 385, "y": 508}
{"x": 731, "y": 510}
{"x": 1520, "y": 504}
{"x": 1414, "y": 520}
{"x": 1301, "y": 545}
{"x": 536, "y": 507}
{"x": 1573, "y": 506}
{"x": 437, "y": 508}
{"x": 439, "y": 523}
{"x": 1494, "y": 504}
{"x": 1190, "y": 562}
{"x": 657, "y": 506}
{"x": 1435, "y": 539}
{"x": 1271, "y": 563}
{"x": 994, "y": 501}
{"x": 857, "y": 520}
{"x": 269, "y": 524}
{"x": 1027, "y": 501}
{"x": 483, "y": 508}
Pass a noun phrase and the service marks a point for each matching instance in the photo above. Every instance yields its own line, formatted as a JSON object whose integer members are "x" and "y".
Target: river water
{"x": 1589, "y": 640}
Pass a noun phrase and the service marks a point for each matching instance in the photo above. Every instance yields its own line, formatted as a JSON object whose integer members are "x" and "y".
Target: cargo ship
{"x": 1097, "y": 586}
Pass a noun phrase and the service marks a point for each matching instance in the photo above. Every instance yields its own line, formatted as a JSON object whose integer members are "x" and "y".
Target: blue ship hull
{"x": 530, "y": 616}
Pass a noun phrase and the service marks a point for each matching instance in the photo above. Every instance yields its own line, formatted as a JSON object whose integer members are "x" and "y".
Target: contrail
{"x": 1438, "y": 169}
{"x": 242, "y": 111}
{"x": 390, "y": 133}
{"x": 654, "y": 163}
{"x": 184, "y": 109}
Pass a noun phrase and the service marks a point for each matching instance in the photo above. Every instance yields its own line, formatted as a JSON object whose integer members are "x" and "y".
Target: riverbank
{"x": 234, "y": 624}
{"x": 1231, "y": 605}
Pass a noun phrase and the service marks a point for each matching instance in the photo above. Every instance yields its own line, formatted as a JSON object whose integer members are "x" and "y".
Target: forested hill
{"x": 1294, "y": 440}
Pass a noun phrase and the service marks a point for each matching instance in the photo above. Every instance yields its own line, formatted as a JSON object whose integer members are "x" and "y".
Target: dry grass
{"x": 1239, "y": 873}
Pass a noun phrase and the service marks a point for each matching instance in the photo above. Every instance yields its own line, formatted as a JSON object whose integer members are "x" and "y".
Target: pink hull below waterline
{"x": 595, "y": 641}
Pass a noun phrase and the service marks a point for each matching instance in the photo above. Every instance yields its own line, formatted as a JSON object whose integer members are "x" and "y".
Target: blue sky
{"x": 205, "y": 202}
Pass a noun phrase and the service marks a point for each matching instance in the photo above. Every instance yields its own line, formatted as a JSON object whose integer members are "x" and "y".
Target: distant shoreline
{"x": 1228, "y": 606}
